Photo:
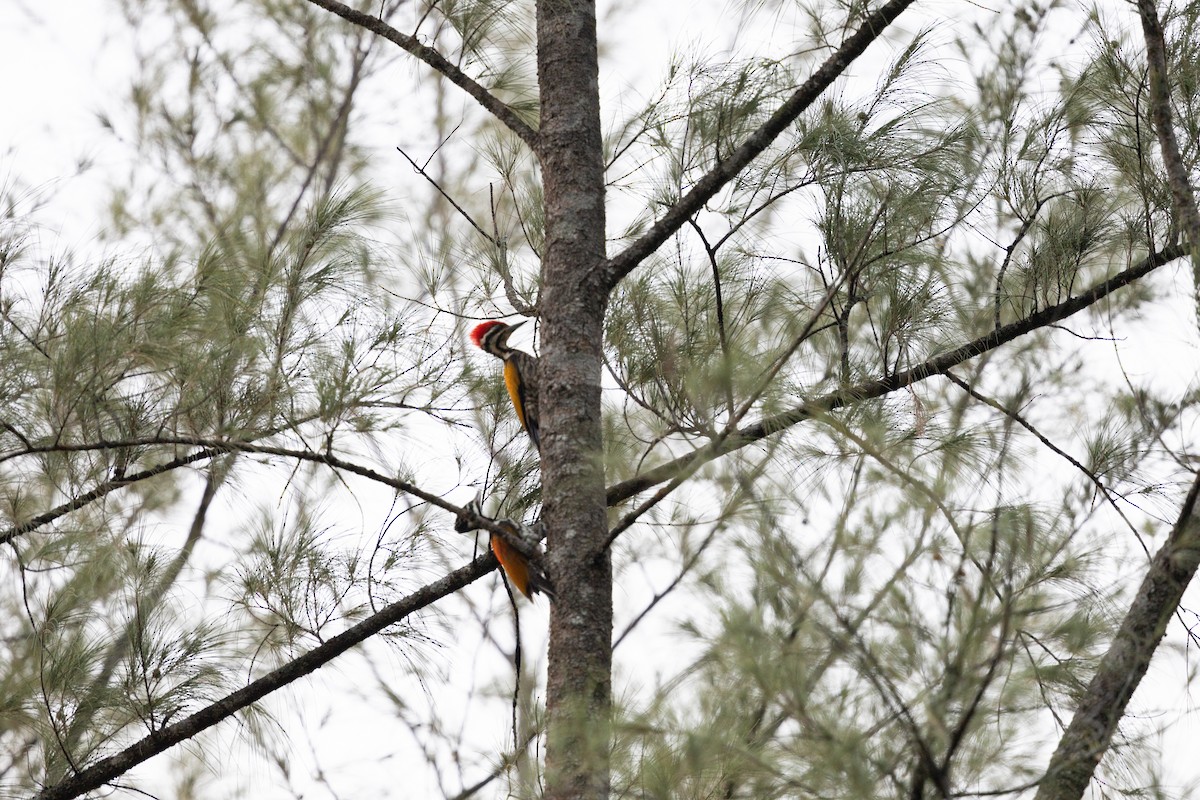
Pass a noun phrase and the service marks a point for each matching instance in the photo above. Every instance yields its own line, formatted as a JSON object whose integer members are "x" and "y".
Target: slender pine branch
{"x": 438, "y": 62}
{"x": 1103, "y": 704}
{"x": 215, "y": 447}
{"x": 108, "y": 769}
{"x": 1107, "y": 493}
{"x": 707, "y": 187}
{"x": 421, "y": 170}
{"x": 76, "y": 503}
{"x": 235, "y": 446}
{"x": 879, "y": 387}
{"x": 687, "y": 567}
{"x": 506, "y": 763}
{"x": 1160, "y": 108}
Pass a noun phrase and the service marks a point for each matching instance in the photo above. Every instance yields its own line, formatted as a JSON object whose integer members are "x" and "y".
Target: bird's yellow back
{"x": 514, "y": 564}
{"x": 512, "y": 381}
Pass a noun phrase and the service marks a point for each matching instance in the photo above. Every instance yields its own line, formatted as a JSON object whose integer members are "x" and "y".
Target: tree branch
{"x": 1123, "y": 666}
{"x": 1109, "y": 495}
{"x": 879, "y": 387}
{"x": 103, "y": 489}
{"x": 215, "y": 447}
{"x": 235, "y": 446}
{"x": 1160, "y": 108}
{"x": 105, "y": 770}
{"x": 438, "y": 62}
{"x": 706, "y": 188}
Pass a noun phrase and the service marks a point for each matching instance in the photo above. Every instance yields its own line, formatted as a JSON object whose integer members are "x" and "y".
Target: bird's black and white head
{"x": 492, "y": 337}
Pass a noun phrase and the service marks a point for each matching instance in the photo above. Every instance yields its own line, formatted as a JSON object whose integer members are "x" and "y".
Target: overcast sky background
{"x": 63, "y": 68}
{"x": 60, "y": 70}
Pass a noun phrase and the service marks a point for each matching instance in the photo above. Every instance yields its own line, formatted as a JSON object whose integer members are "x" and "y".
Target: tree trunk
{"x": 572, "y": 305}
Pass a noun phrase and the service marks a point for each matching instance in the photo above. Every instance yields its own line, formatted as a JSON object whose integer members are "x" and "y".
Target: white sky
{"x": 62, "y": 68}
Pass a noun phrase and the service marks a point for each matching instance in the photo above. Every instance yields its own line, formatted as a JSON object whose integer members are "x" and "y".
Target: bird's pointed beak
{"x": 508, "y": 331}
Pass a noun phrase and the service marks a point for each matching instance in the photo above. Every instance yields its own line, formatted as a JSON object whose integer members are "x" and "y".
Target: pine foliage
{"x": 862, "y": 565}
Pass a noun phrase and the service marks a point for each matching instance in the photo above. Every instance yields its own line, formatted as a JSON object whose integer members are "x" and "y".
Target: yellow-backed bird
{"x": 527, "y": 576}
{"x": 520, "y": 374}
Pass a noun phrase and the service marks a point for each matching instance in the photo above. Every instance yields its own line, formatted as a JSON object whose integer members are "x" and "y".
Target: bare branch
{"x": 1160, "y": 107}
{"x": 727, "y": 367}
{"x": 439, "y": 63}
{"x": 879, "y": 387}
{"x": 104, "y": 771}
{"x": 519, "y": 304}
{"x": 687, "y": 567}
{"x": 506, "y": 763}
{"x": 1121, "y": 670}
{"x": 420, "y": 170}
{"x": 706, "y": 188}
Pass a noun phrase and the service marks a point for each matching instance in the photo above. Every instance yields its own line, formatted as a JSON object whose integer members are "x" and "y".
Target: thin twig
{"x": 506, "y": 763}
{"x": 438, "y": 62}
{"x": 687, "y": 567}
{"x": 726, "y": 366}
{"x": 1016, "y": 417}
{"x": 420, "y": 170}
{"x": 501, "y": 243}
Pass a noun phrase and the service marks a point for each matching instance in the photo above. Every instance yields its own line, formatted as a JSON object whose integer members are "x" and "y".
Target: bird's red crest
{"x": 480, "y": 330}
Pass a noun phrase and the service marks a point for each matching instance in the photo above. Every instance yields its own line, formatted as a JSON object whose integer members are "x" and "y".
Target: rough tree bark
{"x": 572, "y": 304}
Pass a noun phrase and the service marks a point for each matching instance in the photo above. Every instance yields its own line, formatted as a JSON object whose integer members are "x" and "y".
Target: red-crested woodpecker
{"x": 520, "y": 374}
{"x": 526, "y": 574}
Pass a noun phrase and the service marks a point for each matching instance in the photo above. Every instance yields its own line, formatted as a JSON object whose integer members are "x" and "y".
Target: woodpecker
{"x": 520, "y": 373}
{"x": 527, "y": 576}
